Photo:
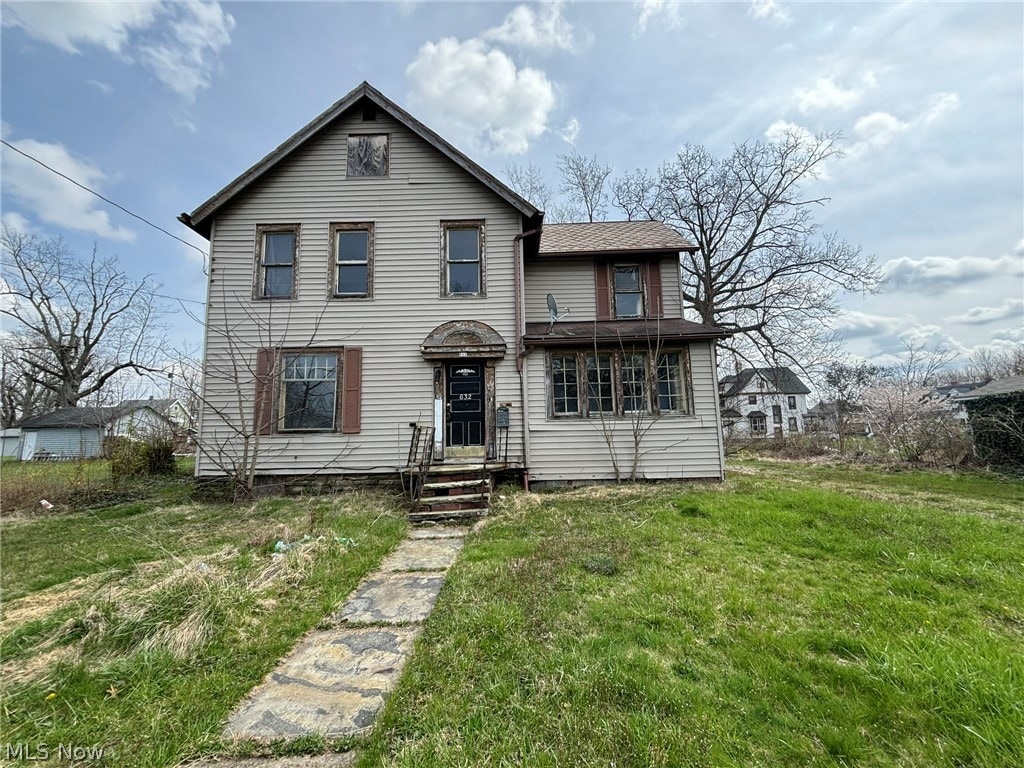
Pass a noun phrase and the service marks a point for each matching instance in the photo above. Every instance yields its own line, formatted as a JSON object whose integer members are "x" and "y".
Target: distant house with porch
{"x": 763, "y": 402}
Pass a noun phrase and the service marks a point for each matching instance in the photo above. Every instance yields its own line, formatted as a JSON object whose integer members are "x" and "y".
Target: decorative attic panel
{"x": 463, "y": 338}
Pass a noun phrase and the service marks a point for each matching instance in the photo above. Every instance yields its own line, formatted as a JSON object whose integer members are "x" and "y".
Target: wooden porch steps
{"x": 450, "y": 492}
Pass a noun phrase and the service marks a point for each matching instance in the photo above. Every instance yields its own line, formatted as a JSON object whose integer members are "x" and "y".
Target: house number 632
{"x": 465, "y": 397}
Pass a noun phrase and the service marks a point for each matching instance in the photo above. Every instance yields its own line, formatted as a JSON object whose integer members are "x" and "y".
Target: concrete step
{"x": 428, "y": 486}
{"x": 461, "y": 498}
{"x": 425, "y": 515}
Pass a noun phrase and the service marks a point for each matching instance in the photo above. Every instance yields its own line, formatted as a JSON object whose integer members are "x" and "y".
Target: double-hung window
{"x": 791, "y": 402}
{"x": 634, "y": 383}
{"x": 600, "y": 386}
{"x": 275, "y": 261}
{"x": 672, "y": 394}
{"x": 628, "y": 289}
{"x": 309, "y": 392}
{"x": 352, "y": 246}
{"x": 463, "y": 258}
{"x": 758, "y": 424}
{"x": 564, "y": 385}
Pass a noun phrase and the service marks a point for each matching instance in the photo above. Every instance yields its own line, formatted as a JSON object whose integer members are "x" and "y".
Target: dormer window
{"x": 368, "y": 155}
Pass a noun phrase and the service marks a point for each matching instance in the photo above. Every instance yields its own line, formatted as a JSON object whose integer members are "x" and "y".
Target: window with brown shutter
{"x": 311, "y": 389}
{"x": 603, "y": 295}
{"x": 652, "y": 287}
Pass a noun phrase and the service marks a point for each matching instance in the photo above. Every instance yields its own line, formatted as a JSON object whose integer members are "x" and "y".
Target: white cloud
{"x": 67, "y": 25}
{"x": 853, "y": 325}
{"x": 15, "y": 221}
{"x": 177, "y": 41}
{"x": 825, "y": 94}
{"x": 878, "y": 128}
{"x": 939, "y": 105}
{"x": 1010, "y": 309}
{"x": 781, "y": 129}
{"x": 101, "y": 86}
{"x": 478, "y": 95}
{"x": 570, "y": 131}
{"x": 667, "y": 13}
{"x": 55, "y": 200}
{"x": 544, "y": 28}
{"x": 939, "y": 273}
{"x": 768, "y": 9}
{"x": 187, "y": 53}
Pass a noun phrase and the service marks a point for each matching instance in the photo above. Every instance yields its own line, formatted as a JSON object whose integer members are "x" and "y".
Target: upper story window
{"x": 751, "y": 399}
{"x": 352, "y": 248}
{"x": 275, "y": 260}
{"x": 368, "y": 155}
{"x": 791, "y": 400}
{"x": 628, "y": 288}
{"x": 463, "y": 257}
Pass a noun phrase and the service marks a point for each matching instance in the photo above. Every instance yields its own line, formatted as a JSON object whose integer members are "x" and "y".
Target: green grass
{"x": 791, "y": 616}
{"x": 140, "y": 627}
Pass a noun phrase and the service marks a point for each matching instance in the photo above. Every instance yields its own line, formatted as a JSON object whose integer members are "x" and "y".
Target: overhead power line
{"x": 143, "y": 219}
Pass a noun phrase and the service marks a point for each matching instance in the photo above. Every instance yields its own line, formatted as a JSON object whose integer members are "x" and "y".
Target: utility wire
{"x": 108, "y": 200}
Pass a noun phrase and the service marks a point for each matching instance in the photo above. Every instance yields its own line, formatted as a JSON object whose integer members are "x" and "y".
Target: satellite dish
{"x": 553, "y": 312}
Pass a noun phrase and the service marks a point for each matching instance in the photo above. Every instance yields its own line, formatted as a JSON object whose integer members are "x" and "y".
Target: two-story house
{"x": 366, "y": 276}
{"x": 763, "y": 402}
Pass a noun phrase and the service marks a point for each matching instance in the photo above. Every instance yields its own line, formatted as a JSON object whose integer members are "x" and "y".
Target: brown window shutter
{"x": 263, "y": 414}
{"x": 351, "y": 401}
{"x": 652, "y": 275}
{"x": 602, "y": 285}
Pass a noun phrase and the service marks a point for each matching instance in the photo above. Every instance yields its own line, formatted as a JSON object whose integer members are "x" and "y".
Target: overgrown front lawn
{"x": 766, "y": 621}
{"x": 136, "y": 629}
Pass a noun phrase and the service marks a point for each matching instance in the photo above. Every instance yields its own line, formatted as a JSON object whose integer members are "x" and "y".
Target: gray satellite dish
{"x": 553, "y": 312}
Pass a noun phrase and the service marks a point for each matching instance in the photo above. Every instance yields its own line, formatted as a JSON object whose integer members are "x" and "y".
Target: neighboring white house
{"x": 78, "y": 433}
{"x": 366, "y": 276}
{"x": 10, "y": 443}
{"x": 950, "y": 397}
{"x": 763, "y": 402}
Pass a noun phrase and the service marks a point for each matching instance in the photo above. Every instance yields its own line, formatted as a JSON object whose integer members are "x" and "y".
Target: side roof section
{"x": 201, "y": 219}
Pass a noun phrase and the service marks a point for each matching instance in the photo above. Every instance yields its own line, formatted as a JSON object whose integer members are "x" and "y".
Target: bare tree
{"x": 21, "y": 398}
{"x": 638, "y": 194}
{"x": 584, "y": 182}
{"x": 845, "y": 383}
{"x": 529, "y": 183}
{"x": 86, "y": 321}
{"x": 763, "y": 269}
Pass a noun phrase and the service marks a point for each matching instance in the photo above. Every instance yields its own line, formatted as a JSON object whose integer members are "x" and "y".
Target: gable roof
{"x": 606, "y": 237}
{"x": 999, "y": 387}
{"x": 783, "y": 379}
{"x": 84, "y": 417}
{"x": 200, "y": 220}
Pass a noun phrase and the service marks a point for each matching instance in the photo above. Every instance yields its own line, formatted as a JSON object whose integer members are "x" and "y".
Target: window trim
{"x": 652, "y": 405}
{"x": 480, "y": 226}
{"x": 791, "y": 402}
{"x": 279, "y": 393}
{"x": 753, "y": 420}
{"x": 336, "y": 228}
{"x": 357, "y": 134}
{"x": 259, "y": 273}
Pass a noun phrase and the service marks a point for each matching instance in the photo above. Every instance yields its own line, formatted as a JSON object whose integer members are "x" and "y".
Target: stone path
{"x": 333, "y": 683}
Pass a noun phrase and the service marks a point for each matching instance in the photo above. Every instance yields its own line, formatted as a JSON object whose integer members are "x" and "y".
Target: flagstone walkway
{"x": 333, "y": 683}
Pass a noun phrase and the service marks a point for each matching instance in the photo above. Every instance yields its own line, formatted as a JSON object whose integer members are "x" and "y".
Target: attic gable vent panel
{"x": 368, "y": 154}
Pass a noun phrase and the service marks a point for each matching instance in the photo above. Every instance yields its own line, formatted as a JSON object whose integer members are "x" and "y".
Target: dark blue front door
{"x": 465, "y": 403}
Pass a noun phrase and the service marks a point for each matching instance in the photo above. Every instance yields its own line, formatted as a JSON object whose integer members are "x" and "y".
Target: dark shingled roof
{"x": 675, "y": 329}
{"x": 72, "y": 417}
{"x": 610, "y": 237}
{"x": 783, "y": 379}
{"x": 999, "y": 387}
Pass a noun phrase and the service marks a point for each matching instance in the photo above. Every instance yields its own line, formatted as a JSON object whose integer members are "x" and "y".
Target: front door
{"x": 464, "y": 406}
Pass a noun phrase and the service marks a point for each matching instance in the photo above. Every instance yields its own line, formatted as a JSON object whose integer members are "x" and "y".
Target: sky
{"x": 157, "y": 106}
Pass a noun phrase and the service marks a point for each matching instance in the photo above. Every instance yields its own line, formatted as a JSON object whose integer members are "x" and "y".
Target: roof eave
{"x": 616, "y": 252}
{"x": 199, "y": 220}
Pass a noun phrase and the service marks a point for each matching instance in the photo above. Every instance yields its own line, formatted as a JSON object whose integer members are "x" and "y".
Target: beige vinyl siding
{"x": 571, "y": 281}
{"x": 406, "y": 208}
{"x": 685, "y": 447}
